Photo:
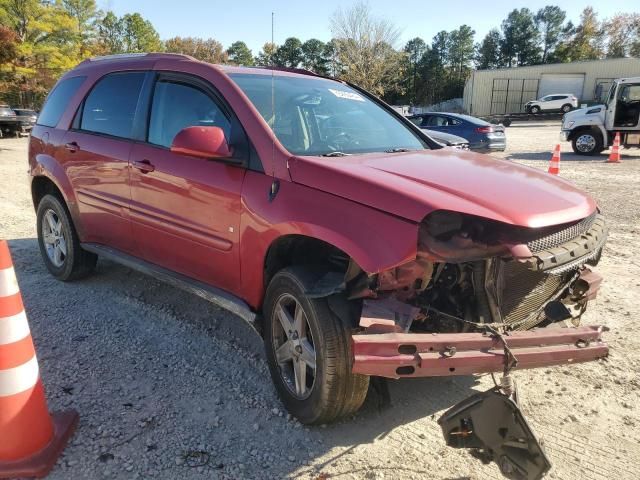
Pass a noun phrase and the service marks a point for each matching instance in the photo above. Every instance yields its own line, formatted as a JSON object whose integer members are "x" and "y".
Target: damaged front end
{"x": 481, "y": 297}
{"x": 472, "y": 277}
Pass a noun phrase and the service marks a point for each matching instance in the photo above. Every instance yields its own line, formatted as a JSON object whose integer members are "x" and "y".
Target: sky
{"x": 250, "y": 20}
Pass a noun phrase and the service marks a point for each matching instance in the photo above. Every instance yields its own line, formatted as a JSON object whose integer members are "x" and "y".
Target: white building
{"x": 506, "y": 90}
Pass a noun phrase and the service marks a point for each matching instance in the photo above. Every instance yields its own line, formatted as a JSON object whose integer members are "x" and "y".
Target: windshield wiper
{"x": 335, "y": 154}
{"x": 397, "y": 150}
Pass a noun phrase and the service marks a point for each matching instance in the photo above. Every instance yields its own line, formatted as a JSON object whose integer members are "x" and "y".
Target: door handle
{"x": 144, "y": 166}
{"x": 72, "y": 147}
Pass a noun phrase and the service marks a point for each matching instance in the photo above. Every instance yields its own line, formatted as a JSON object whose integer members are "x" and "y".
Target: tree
{"x": 110, "y": 32}
{"x": 85, "y": 15}
{"x": 313, "y": 56}
{"x": 8, "y": 45}
{"x": 488, "y": 51}
{"x": 460, "y": 54}
{"x": 520, "y": 38}
{"x": 549, "y": 21}
{"x": 130, "y": 33}
{"x": 365, "y": 48}
{"x": 585, "y": 41}
{"x": 623, "y": 33}
{"x": 42, "y": 31}
{"x": 138, "y": 35}
{"x": 208, "y": 50}
{"x": 414, "y": 49}
{"x": 289, "y": 54}
{"x": 239, "y": 54}
{"x": 334, "y": 67}
{"x": 266, "y": 57}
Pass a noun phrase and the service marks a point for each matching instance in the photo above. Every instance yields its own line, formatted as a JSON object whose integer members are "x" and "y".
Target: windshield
{"x": 316, "y": 116}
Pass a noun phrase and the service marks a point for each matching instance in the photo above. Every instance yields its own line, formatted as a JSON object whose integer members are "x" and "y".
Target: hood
{"x": 593, "y": 115}
{"x": 413, "y": 184}
{"x": 593, "y": 109}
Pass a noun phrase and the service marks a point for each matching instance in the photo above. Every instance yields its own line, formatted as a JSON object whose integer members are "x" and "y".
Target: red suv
{"x": 359, "y": 245}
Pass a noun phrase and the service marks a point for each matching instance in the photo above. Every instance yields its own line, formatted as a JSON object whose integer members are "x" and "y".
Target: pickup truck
{"x": 358, "y": 246}
{"x": 15, "y": 124}
{"x": 593, "y": 129}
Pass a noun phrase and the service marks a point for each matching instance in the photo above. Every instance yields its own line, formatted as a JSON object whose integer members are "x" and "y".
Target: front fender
{"x": 375, "y": 240}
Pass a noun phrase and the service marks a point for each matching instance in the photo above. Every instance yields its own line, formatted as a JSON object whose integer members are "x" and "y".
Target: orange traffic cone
{"x": 554, "y": 165}
{"x": 30, "y": 439}
{"x": 614, "y": 156}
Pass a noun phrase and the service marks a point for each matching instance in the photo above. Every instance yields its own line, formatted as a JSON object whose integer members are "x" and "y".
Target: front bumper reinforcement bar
{"x": 395, "y": 355}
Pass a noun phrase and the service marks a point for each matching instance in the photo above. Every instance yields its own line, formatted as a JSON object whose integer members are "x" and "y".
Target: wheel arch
{"x": 598, "y": 129}
{"x": 48, "y": 176}
{"x": 297, "y": 249}
{"x": 42, "y": 185}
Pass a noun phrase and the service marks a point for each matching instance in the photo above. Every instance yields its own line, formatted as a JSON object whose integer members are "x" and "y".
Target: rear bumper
{"x": 495, "y": 144}
{"x": 395, "y": 355}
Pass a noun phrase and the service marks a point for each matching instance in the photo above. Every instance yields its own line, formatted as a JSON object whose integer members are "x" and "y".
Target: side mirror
{"x": 202, "y": 142}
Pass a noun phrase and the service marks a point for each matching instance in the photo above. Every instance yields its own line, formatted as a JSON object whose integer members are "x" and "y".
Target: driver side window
{"x": 176, "y": 106}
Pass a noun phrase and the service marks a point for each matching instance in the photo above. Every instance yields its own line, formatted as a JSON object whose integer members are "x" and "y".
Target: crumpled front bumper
{"x": 395, "y": 355}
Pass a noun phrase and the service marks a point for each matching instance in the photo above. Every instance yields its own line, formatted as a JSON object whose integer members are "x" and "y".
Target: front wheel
{"x": 534, "y": 110}
{"x": 587, "y": 143}
{"x": 308, "y": 350}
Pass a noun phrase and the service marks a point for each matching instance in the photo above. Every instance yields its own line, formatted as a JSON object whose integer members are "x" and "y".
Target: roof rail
{"x": 124, "y": 56}
{"x": 301, "y": 71}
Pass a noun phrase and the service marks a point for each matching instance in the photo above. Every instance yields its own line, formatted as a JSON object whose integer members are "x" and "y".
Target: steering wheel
{"x": 341, "y": 139}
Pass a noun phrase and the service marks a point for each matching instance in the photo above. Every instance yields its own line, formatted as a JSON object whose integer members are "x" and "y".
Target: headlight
{"x": 570, "y": 124}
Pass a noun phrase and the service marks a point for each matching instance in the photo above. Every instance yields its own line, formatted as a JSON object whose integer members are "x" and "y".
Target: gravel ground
{"x": 168, "y": 386}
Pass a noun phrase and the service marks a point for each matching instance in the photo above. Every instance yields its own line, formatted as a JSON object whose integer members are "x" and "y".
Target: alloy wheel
{"x": 53, "y": 237}
{"x": 293, "y": 345}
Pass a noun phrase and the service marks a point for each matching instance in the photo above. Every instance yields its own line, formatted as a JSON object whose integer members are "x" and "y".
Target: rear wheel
{"x": 59, "y": 243}
{"x": 587, "y": 143}
{"x": 308, "y": 350}
{"x": 566, "y": 108}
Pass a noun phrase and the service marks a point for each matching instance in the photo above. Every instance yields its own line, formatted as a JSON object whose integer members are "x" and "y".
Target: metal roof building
{"x": 506, "y": 90}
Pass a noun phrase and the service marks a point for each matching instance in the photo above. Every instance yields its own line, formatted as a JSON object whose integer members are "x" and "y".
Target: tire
{"x": 65, "y": 260}
{"x": 587, "y": 142}
{"x": 566, "y": 108}
{"x": 330, "y": 391}
{"x": 534, "y": 110}
{"x": 506, "y": 122}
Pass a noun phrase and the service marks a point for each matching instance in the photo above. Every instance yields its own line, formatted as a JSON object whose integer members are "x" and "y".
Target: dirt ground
{"x": 169, "y": 386}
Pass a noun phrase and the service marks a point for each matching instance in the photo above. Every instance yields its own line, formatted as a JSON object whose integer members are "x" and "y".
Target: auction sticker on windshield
{"x": 347, "y": 95}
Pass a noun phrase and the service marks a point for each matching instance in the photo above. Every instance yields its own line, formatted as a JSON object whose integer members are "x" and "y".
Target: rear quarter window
{"x": 58, "y": 100}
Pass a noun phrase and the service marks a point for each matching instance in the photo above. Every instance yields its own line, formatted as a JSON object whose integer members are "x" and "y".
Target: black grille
{"x": 522, "y": 292}
{"x": 552, "y": 240}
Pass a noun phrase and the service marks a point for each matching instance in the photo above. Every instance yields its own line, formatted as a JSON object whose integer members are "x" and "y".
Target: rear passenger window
{"x": 58, "y": 100}
{"x": 176, "y": 106}
{"x": 111, "y": 105}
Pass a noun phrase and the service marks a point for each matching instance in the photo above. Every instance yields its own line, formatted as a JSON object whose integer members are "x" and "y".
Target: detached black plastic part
{"x": 492, "y": 423}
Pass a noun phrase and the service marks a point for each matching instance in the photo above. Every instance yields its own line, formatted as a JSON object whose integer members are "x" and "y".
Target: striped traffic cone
{"x": 30, "y": 439}
{"x": 554, "y": 165}
{"x": 614, "y": 156}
